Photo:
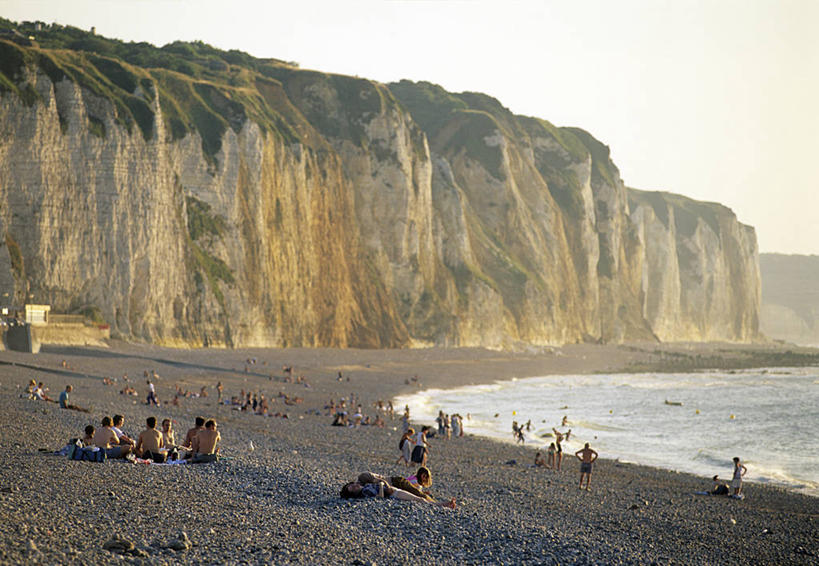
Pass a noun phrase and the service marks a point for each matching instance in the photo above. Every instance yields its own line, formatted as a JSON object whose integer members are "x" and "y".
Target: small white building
{"x": 37, "y": 314}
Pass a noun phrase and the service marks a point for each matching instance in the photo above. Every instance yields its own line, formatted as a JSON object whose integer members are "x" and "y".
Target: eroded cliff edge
{"x": 246, "y": 202}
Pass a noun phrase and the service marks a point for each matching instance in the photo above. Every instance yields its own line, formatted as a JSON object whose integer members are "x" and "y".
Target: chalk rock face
{"x": 285, "y": 207}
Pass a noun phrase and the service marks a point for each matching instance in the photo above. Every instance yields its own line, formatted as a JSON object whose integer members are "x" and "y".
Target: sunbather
{"x": 381, "y": 488}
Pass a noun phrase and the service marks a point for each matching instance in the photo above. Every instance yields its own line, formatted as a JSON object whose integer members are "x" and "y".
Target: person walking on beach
{"x": 151, "y": 395}
{"x": 587, "y": 456}
{"x": 739, "y": 472}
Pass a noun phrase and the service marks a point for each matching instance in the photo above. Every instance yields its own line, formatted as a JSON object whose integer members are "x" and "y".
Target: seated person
{"x": 206, "y": 441}
{"x": 149, "y": 444}
{"x": 119, "y": 420}
{"x": 540, "y": 461}
{"x": 107, "y": 439}
{"x": 380, "y": 488}
{"x": 199, "y": 424}
{"x": 88, "y": 439}
{"x": 64, "y": 402}
{"x": 719, "y": 488}
{"x": 169, "y": 439}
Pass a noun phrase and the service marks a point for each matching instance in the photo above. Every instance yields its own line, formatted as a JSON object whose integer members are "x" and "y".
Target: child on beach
{"x": 405, "y": 446}
{"x": 739, "y": 472}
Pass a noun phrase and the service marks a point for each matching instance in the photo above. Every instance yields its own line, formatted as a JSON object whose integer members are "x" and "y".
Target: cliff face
{"x": 280, "y": 207}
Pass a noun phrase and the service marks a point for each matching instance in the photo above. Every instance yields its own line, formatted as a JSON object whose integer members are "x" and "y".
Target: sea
{"x": 689, "y": 422}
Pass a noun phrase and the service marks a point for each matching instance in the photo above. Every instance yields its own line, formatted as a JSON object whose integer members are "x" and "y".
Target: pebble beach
{"x": 274, "y": 496}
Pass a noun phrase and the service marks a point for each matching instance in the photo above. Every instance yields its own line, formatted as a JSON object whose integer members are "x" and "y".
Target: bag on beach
{"x": 89, "y": 455}
{"x": 71, "y": 448}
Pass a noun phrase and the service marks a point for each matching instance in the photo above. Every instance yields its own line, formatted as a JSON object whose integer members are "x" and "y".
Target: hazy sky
{"x": 717, "y": 100}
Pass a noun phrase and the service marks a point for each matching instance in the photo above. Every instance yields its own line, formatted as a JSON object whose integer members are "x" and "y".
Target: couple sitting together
{"x": 201, "y": 442}
{"x": 412, "y": 488}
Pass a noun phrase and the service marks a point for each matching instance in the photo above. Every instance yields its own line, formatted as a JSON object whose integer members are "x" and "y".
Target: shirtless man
{"x": 199, "y": 424}
{"x": 106, "y": 438}
{"x": 587, "y": 456}
{"x": 149, "y": 444}
{"x": 206, "y": 441}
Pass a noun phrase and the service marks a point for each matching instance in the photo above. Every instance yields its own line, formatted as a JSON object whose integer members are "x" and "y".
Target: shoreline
{"x": 426, "y": 400}
{"x": 279, "y": 502}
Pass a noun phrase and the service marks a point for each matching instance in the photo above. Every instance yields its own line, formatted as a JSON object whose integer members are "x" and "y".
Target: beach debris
{"x": 511, "y": 462}
{"x": 119, "y": 545}
{"x": 250, "y": 446}
{"x": 180, "y": 543}
{"x": 733, "y": 521}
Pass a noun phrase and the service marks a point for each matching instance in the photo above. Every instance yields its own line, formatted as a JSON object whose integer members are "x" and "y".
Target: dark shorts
{"x": 114, "y": 452}
{"x": 585, "y": 467}
{"x": 158, "y": 457}
{"x": 418, "y": 454}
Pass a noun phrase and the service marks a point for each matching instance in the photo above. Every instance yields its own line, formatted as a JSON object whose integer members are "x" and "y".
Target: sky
{"x": 715, "y": 100}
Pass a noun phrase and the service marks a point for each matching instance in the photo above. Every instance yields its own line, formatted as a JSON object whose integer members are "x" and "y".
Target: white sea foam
{"x": 767, "y": 417}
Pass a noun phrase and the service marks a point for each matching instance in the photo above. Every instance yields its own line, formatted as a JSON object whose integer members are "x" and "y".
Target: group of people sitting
{"x": 201, "y": 443}
{"x": 414, "y": 488}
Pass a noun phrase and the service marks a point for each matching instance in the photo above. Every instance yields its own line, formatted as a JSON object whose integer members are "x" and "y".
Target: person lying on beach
{"x": 106, "y": 438}
{"x": 380, "y": 488}
{"x": 421, "y": 480}
{"x": 417, "y": 484}
{"x": 149, "y": 444}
